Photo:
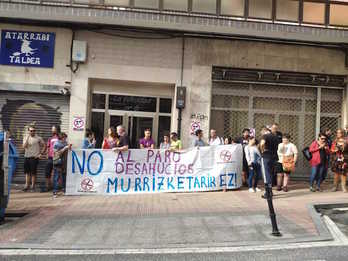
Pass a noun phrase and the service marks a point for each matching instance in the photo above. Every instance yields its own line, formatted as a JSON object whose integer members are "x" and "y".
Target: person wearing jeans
{"x": 320, "y": 151}
{"x": 253, "y": 157}
{"x": 59, "y": 161}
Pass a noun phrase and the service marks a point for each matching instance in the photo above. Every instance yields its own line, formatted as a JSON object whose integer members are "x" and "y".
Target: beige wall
{"x": 159, "y": 62}
{"x": 112, "y": 60}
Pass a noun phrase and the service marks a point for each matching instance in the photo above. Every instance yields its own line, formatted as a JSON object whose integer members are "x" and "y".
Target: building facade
{"x": 240, "y": 69}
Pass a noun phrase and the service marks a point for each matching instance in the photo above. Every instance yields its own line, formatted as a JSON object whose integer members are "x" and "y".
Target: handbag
{"x": 57, "y": 160}
{"x": 288, "y": 164}
{"x": 307, "y": 154}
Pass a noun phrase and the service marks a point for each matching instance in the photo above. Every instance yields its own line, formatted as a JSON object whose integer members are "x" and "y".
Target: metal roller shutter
{"x": 240, "y": 104}
{"x": 18, "y": 110}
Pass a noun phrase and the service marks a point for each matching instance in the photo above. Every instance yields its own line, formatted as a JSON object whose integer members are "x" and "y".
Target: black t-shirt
{"x": 271, "y": 145}
{"x": 124, "y": 141}
{"x": 279, "y": 137}
{"x": 242, "y": 141}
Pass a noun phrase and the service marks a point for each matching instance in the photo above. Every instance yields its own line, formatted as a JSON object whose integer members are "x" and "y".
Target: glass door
{"x": 136, "y": 128}
{"x": 135, "y": 125}
{"x": 116, "y": 120}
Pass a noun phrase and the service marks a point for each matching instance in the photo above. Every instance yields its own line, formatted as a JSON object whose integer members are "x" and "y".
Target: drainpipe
{"x": 181, "y": 84}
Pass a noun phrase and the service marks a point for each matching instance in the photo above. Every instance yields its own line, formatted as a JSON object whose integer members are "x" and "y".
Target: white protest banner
{"x": 105, "y": 172}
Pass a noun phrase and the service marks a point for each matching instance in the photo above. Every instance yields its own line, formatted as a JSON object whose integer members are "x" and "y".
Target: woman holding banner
{"x": 111, "y": 141}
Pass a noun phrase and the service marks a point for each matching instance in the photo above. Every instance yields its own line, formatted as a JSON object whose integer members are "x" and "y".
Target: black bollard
{"x": 272, "y": 215}
{"x": 269, "y": 198}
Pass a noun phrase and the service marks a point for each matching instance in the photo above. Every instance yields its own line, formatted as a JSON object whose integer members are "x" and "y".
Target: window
{"x": 98, "y": 101}
{"x": 165, "y": 105}
{"x": 260, "y": 9}
{"x": 287, "y": 10}
{"x": 147, "y": 3}
{"x": 116, "y": 2}
{"x": 179, "y": 5}
{"x": 132, "y": 103}
{"x": 204, "y": 6}
{"x": 163, "y": 128}
{"x": 98, "y": 127}
{"x": 339, "y": 14}
{"x": 232, "y": 7}
{"x": 314, "y": 13}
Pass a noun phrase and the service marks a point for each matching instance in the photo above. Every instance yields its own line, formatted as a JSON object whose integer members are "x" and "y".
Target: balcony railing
{"x": 317, "y": 13}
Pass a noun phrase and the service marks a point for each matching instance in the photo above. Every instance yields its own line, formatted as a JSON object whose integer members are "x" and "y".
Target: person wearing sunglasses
{"x": 319, "y": 162}
{"x": 34, "y": 148}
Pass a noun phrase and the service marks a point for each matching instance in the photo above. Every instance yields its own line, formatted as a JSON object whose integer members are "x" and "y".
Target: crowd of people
{"x": 274, "y": 155}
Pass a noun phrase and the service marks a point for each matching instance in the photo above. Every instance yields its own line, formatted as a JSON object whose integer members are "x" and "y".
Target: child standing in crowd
{"x": 111, "y": 141}
{"x": 59, "y": 161}
{"x": 89, "y": 141}
{"x": 147, "y": 142}
{"x": 253, "y": 158}
{"x": 165, "y": 145}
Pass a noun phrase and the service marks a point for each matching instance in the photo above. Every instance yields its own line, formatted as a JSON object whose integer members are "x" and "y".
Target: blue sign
{"x": 30, "y": 49}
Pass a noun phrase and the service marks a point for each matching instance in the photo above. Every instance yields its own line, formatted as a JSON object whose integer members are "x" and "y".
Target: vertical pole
{"x": 5, "y": 163}
{"x": 317, "y": 120}
{"x": 181, "y": 83}
{"x": 179, "y": 123}
{"x": 269, "y": 198}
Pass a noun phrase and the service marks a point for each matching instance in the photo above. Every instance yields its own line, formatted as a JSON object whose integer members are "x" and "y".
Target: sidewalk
{"x": 232, "y": 218}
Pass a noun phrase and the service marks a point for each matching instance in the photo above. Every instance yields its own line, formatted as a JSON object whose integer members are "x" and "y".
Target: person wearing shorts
{"x": 34, "y": 148}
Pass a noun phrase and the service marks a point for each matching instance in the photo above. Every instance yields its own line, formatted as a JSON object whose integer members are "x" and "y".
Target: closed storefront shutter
{"x": 18, "y": 110}
{"x": 241, "y": 104}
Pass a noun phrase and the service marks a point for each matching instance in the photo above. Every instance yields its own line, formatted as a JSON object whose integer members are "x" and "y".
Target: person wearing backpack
{"x": 320, "y": 151}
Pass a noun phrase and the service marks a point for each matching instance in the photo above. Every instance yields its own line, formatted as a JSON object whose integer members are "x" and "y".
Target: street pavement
{"x": 312, "y": 254}
{"x": 133, "y": 225}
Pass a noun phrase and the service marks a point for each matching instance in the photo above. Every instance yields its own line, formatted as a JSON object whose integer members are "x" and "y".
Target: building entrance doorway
{"x": 135, "y": 125}
{"x": 135, "y": 113}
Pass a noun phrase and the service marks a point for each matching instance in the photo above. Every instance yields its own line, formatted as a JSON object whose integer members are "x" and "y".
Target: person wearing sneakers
{"x": 287, "y": 155}
{"x": 34, "y": 147}
{"x": 59, "y": 161}
{"x": 320, "y": 150}
{"x": 340, "y": 160}
{"x": 253, "y": 158}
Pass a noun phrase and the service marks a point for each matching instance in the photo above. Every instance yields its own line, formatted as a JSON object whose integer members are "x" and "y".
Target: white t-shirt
{"x": 216, "y": 141}
{"x": 286, "y": 150}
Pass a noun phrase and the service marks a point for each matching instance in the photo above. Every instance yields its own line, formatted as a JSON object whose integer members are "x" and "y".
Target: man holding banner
{"x": 123, "y": 144}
